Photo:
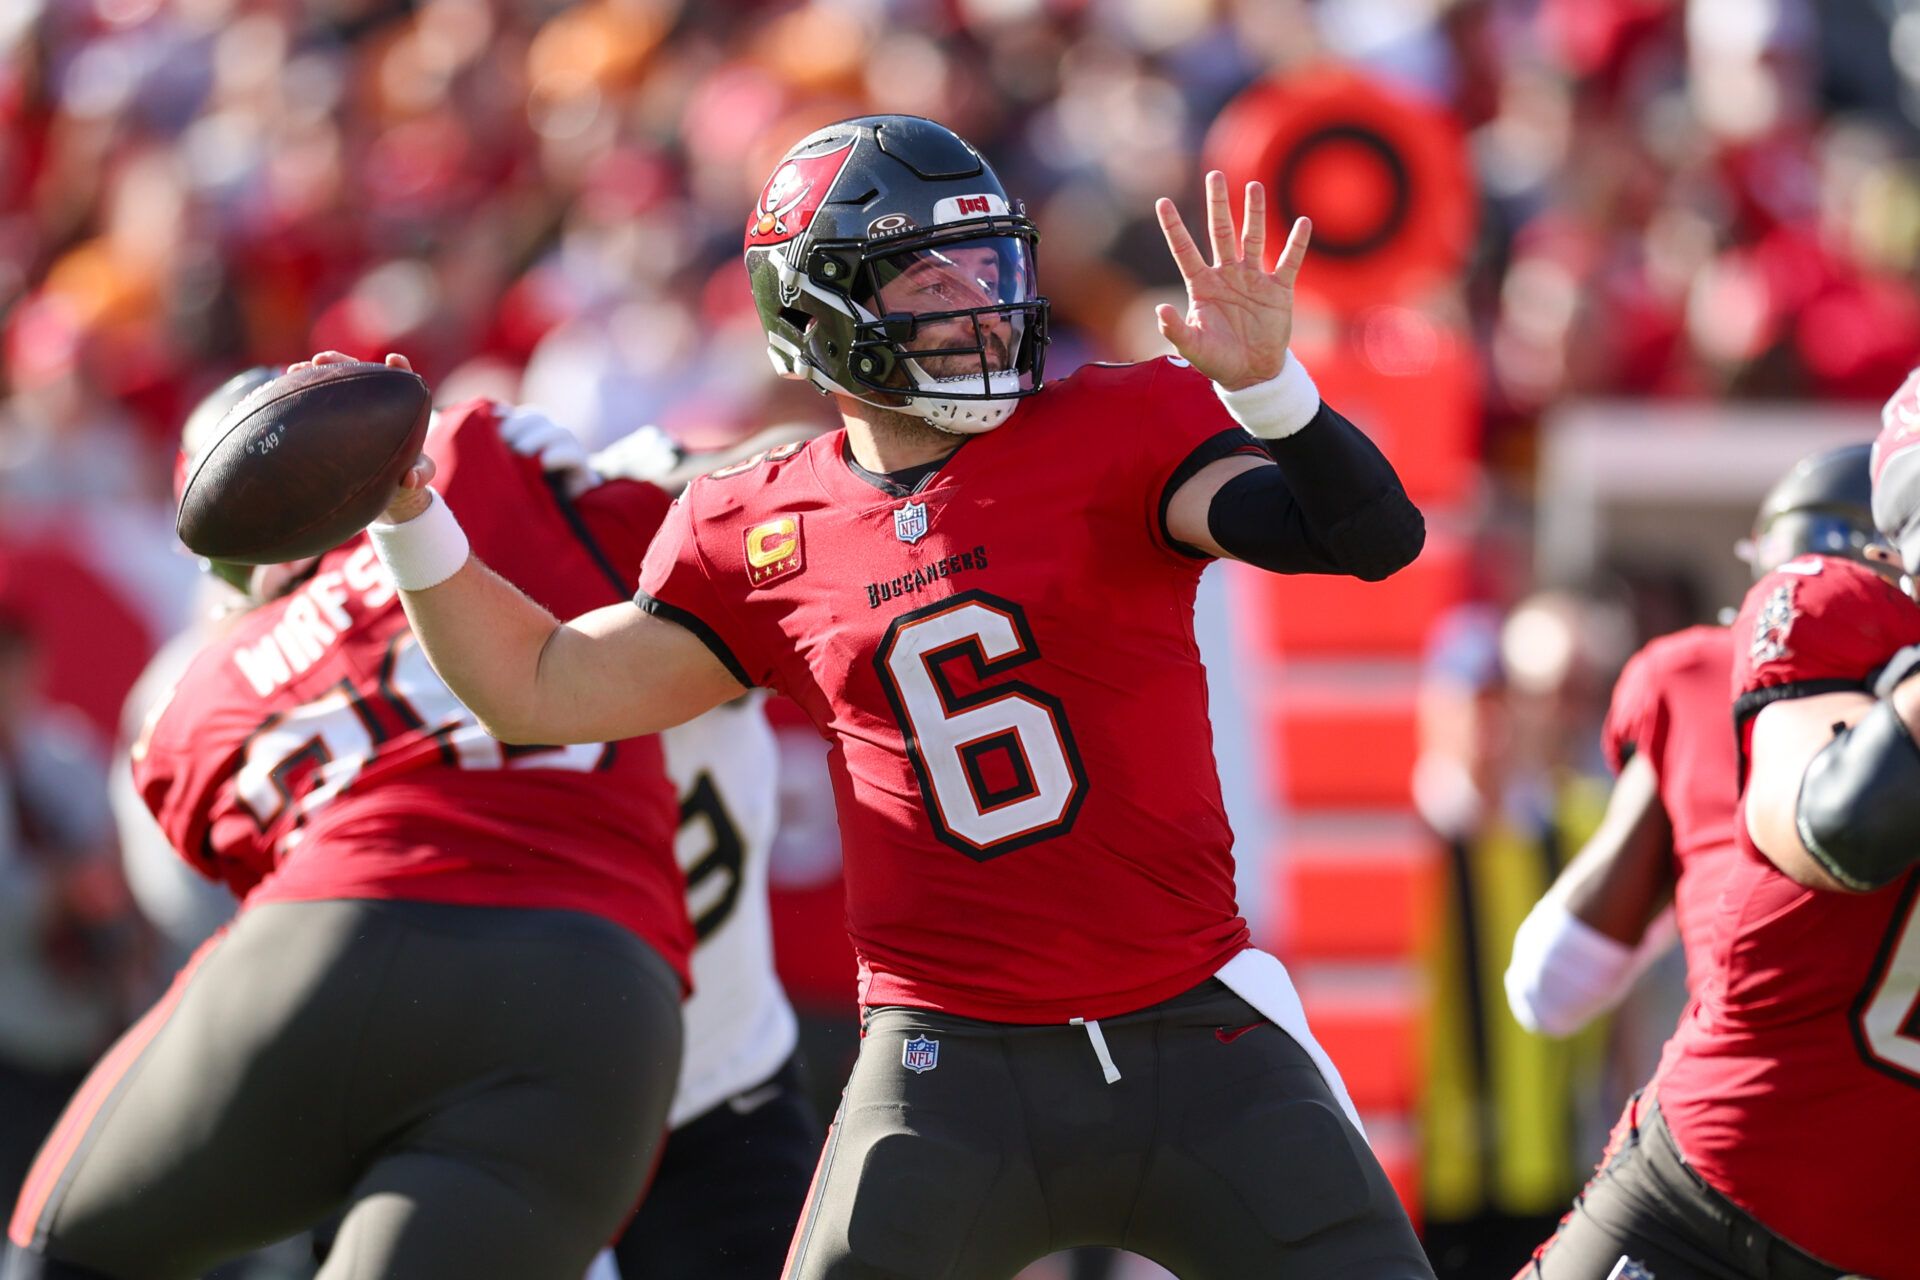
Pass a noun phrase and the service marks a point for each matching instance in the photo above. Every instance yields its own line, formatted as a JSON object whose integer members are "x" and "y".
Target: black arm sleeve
{"x": 1333, "y": 505}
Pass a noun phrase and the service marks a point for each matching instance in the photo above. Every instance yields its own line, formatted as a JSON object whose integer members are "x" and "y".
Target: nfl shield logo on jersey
{"x": 1628, "y": 1269}
{"x": 910, "y": 522}
{"x": 920, "y": 1055}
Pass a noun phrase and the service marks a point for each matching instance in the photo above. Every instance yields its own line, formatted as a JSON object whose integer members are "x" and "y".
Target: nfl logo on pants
{"x": 920, "y": 1055}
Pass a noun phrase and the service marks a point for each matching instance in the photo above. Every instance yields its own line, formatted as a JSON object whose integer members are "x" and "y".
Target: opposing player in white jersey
{"x": 736, "y": 1168}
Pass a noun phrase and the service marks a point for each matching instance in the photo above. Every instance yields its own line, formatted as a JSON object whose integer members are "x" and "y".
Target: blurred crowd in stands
{"x": 544, "y": 201}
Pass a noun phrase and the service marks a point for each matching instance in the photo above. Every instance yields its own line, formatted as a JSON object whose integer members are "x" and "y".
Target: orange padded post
{"x": 1278, "y": 617}
{"x": 1355, "y": 898}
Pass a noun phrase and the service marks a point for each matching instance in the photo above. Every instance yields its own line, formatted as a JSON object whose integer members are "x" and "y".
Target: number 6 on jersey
{"x": 996, "y": 764}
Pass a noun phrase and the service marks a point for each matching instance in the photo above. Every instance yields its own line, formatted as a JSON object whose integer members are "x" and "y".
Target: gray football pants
{"x": 482, "y": 1089}
{"x": 1647, "y": 1213}
{"x": 964, "y": 1150}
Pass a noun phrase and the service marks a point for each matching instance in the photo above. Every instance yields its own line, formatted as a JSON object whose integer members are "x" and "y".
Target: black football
{"x": 304, "y": 463}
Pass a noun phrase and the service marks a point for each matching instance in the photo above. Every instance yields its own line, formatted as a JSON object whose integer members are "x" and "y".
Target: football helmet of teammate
{"x": 888, "y": 265}
{"x": 1823, "y": 506}
{"x": 197, "y": 434}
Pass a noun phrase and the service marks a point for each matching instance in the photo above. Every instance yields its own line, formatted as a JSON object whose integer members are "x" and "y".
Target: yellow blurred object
{"x": 1498, "y": 1127}
{"x": 1886, "y": 230}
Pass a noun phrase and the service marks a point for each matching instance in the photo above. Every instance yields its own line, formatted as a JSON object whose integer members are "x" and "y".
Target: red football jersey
{"x": 1003, "y": 665}
{"x": 1793, "y": 1082}
{"x": 311, "y": 752}
{"x": 1670, "y": 706}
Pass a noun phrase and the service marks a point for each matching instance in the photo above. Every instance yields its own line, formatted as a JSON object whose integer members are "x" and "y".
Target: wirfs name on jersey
{"x": 315, "y": 618}
{"x": 878, "y": 593}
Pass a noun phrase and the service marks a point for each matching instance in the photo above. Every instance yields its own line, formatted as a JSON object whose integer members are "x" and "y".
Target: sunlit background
{"x": 1592, "y": 271}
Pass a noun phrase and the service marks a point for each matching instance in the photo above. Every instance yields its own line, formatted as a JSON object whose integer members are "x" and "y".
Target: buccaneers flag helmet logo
{"x": 795, "y": 191}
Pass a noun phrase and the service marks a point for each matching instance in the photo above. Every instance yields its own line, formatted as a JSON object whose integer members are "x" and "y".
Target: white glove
{"x": 531, "y": 433}
{"x": 648, "y": 454}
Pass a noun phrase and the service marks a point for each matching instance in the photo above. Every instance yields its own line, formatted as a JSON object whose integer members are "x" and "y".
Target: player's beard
{"x": 999, "y": 358}
{"x": 891, "y": 427}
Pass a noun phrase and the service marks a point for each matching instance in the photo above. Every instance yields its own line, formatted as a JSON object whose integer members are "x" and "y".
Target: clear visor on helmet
{"x": 955, "y": 276}
{"x": 965, "y": 312}
{"x": 1798, "y": 533}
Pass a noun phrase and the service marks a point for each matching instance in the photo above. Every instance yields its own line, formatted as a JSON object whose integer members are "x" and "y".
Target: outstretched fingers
{"x": 1253, "y": 227}
{"x": 1173, "y": 327}
{"x": 1186, "y": 254}
{"x": 1226, "y": 244}
{"x": 1288, "y": 268}
{"x": 1229, "y": 244}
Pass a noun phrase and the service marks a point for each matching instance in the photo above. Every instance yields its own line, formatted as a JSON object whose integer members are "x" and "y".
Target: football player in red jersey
{"x": 1776, "y": 1138}
{"x": 981, "y": 590}
{"x": 1668, "y": 830}
{"x": 449, "y": 1005}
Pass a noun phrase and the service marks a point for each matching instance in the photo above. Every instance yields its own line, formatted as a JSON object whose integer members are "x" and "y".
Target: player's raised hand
{"x": 410, "y": 497}
{"x": 1239, "y": 315}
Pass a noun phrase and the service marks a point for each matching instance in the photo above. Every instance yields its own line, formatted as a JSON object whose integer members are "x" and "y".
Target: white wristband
{"x": 1278, "y": 407}
{"x": 424, "y": 551}
{"x": 1564, "y": 972}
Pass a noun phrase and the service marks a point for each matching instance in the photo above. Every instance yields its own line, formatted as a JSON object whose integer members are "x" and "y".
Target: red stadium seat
{"x": 1278, "y": 616}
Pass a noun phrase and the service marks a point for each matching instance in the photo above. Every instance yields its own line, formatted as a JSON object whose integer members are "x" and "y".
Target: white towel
{"x": 1262, "y": 981}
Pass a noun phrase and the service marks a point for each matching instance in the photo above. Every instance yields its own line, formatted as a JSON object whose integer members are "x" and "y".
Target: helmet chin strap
{"x": 960, "y": 417}
{"x": 978, "y": 416}
{"x": 953, "y": 417}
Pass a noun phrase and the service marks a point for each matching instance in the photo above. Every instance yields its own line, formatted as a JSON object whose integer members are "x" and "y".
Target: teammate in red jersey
{"x": 1669, "y": 827}
{"x": 450, "y": 1002}
{"x": 981, "y": 590}
{"x": 1776, "y": 1138}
